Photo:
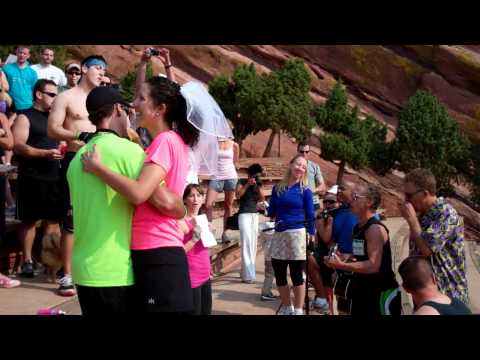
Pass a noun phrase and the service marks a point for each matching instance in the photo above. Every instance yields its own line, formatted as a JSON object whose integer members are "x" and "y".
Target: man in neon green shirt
{"x": 101, "y": 263}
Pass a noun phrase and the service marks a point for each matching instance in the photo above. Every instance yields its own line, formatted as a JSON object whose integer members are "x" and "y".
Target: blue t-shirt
{"x": 342, "y": 231}
{"x": 22, "y": 82}
{"x": 290, "y": 207}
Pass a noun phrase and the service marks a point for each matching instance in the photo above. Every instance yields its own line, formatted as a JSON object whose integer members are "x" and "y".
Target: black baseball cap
{"x": 101, "y": 96}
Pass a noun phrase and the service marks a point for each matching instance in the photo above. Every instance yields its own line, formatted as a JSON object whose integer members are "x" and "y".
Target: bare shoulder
{"x": 426, "y": 310}
{"x": 377, "y": 231}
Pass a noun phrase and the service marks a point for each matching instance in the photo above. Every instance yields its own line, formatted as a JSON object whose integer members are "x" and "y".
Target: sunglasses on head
{"x": 51, "y": 94}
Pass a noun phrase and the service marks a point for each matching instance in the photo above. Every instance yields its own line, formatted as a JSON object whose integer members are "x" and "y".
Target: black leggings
{"x": 296, "y": 271}
{"x": 202, "y": 299}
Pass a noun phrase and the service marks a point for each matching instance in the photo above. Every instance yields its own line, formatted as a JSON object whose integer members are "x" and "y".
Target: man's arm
{"x": 409, "y": 214}
{"x": 167, "y": 202}
{"x": 376, "y": 236}
{"x": 320, "y": 188}
{"x": 21, "y": 130}
{"x": 57, "y": 116}
{"x": 325, "y": 228}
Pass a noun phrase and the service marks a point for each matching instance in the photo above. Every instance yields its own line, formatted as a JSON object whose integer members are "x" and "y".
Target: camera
{"x": 154, "y": 52}
{"x": 258, "y": 182}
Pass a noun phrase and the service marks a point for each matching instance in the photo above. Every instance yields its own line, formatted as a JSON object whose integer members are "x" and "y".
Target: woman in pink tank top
{"x": 197, "y": 254}
{"x": 224, "y": 181}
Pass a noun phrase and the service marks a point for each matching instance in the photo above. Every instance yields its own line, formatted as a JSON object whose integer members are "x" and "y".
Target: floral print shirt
{"x": 443, "y": 231}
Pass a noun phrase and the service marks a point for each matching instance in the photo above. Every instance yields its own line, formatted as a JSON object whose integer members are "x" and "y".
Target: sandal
{"x": 7, "y": 283}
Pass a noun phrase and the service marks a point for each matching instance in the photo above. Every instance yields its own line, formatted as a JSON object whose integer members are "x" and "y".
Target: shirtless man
{"x": 68, "y": 121}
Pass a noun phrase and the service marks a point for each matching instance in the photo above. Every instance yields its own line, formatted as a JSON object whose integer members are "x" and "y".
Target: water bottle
{"x": 48, "y": 311}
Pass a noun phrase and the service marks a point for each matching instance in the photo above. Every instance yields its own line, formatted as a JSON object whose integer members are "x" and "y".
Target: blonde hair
{"x": 283, "y": 184}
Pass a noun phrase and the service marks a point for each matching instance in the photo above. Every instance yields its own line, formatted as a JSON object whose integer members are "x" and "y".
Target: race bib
{"x": 358, "y": 247}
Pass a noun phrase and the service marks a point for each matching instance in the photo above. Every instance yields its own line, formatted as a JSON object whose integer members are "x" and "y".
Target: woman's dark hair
{"x": 189, "y": 189}
{"x": 254, "y": 169}
{"x": 165, "y": 91}
{"x": 104, "y": 112}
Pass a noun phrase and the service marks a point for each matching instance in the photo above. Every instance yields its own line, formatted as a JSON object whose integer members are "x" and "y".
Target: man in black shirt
{"x": 419, "y": 280}
{"x": 38, "y": 170}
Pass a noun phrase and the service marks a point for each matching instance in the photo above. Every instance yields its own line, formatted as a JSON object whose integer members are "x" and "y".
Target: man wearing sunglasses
{"x": 437, "y": 232}
{"x": 38, "y": 170}
{"x": 314, "y": 175}
{"x": 69, "y": 121}
{"x": 73, "y": 73}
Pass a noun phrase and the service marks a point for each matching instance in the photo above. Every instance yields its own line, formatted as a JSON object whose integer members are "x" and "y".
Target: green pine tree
{"x": 348, "y": 138}
{"x": 428, "y": 137}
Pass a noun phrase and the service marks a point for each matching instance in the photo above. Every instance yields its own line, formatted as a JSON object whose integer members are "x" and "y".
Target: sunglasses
{"x": 304, "y": 151}
{"x": 51, "y": 94}
{"x": 329, "y": 201}
{"x": 74, "y": 73}
{"x": 408, "y": 196}
{"x": 356, "y": 196}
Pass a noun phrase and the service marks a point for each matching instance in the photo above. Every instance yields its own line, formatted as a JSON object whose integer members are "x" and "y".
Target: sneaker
{"x": 286, "y": 310}
{"x": 7, "y": 283}
{"x": 66, "y": 286}
{"x": 320, "y": 304}
{"x": 11, "y": 211}
{"x": 268, "y": 297}
{"x": 298, "y": 312}
{"x": 27, "y": 270}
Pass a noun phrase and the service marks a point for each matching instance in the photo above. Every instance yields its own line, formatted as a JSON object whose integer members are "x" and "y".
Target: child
{"x": 197, "y": 254}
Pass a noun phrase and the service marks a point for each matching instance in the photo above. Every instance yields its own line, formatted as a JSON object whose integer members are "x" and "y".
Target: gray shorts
{"x": 223, "y": 185}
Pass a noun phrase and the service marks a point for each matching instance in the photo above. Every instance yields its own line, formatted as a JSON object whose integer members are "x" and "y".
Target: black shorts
{"x": 162, "y": 281}
{"x": 65, "y": 204}
{"x": 38, "y": 200}
{"x": 105, "y": 300}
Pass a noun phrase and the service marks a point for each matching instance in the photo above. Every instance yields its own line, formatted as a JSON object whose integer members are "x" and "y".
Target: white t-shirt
{"x": 50, "y": 72}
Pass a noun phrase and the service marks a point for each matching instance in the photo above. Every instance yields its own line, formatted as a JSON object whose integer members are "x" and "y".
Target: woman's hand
{"x": 91, "y": 160}
{"x": 164, "y": 56}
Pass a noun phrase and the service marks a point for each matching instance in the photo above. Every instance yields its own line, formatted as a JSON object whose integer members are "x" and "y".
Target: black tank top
{"x": 39, "y": 168}
{"x": 456, "y": 307}
{"x": 385, "y": 278}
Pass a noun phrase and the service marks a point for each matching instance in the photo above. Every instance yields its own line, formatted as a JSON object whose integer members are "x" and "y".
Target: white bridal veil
{"x": 204, "y": 113}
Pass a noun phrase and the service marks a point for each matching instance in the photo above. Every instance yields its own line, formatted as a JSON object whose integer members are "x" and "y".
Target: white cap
{"x": 71, "y": 66}
{"x": 333, "y": 189}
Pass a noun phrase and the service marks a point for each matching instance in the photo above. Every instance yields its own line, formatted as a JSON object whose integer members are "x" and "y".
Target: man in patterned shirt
{"x": 438, "y": 232}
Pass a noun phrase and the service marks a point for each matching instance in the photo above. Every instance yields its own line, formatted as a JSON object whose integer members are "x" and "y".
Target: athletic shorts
{"x": 162, "y": 281}
{"x": 38, "y": 200}
{"x": 105, "y": 300}
{"x": 223, "y": 185}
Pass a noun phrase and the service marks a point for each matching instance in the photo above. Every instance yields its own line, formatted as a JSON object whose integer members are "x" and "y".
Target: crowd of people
{"x": 114, "y": 184}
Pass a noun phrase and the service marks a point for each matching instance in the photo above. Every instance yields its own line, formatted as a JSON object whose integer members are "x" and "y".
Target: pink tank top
{"x": 226, "y": 168}
{"x": 198, "y": 260}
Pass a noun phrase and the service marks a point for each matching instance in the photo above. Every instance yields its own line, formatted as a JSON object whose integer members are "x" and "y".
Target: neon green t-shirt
{"x": 103, "y": 218}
